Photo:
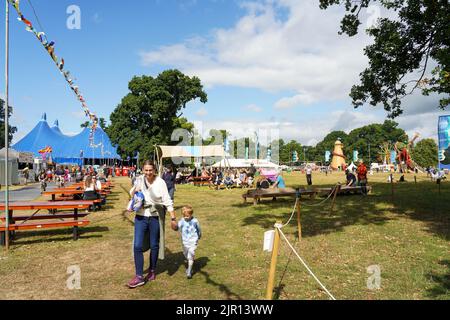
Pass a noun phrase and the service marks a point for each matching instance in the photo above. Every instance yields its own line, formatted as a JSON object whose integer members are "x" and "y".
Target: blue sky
{"x": 265, "y": 64}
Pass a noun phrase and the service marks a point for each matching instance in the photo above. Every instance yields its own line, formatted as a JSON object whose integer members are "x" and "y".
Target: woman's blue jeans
{"x": 141, "y": 225}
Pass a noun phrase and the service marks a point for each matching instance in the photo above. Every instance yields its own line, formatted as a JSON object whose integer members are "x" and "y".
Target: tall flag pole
{"x": 6, "y": 126}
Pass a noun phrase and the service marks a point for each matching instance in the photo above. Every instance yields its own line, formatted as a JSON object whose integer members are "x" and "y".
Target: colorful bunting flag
{"x": 49, "y": 46}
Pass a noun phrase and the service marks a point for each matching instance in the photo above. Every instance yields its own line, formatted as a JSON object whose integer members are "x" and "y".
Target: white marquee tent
{"x": 244, "y": 163}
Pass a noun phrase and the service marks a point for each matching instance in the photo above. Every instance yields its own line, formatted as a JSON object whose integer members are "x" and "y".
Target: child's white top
{"x": 190, "y": 231}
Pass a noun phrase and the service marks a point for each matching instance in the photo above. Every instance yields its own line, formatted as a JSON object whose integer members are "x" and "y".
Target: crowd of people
{"x": 227, "y": 178}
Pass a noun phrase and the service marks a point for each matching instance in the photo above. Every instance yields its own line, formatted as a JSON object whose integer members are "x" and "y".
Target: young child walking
{"x": 189, "y": 228}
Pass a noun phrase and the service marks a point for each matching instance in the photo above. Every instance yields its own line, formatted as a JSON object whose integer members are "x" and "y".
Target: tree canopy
{"x": 11, "y": 130}
{"x": 403, "y": 52}
{"x": 425, "y": 153}
{"x": 149, "y": 114}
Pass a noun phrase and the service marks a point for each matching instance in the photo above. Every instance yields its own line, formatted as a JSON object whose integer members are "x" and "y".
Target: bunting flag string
{"x": 50, "y": 48}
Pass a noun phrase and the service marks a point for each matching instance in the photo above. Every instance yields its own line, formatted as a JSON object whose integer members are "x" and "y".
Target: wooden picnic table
{"x": 52, "y": 207}
{"x": 67, "y": 192}
{"x": 257, "y": 194}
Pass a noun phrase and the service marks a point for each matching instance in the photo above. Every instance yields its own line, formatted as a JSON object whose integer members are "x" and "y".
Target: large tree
{"x": 150, "y": 113}
{"x": 11, "y": 130}
{"x": 425, "y": 153}
{"x": 409, "y": 53}
{"x": 369, "y": 140}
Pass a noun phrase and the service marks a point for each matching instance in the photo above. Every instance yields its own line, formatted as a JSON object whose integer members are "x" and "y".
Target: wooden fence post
{"x": 336, "y": 191}
{"x": 273, "y": 263}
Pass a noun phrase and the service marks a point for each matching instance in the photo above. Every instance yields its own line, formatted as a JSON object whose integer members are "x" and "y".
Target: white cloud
{"x": 302, "y": 53}
{"x": 291, "y": 46}
{"x": 202, "y": 112}
{"x": 308, "y": 131}
{"x": 286, "y": 103}
{"x": 253, "y": 107}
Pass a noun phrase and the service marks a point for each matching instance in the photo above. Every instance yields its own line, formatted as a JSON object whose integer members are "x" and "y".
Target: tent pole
{"x": 6, "y": 124}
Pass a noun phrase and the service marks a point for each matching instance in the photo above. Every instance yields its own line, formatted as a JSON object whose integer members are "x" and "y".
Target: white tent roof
{"x": 190, "y": 151}
{"x": 243, "y": 163}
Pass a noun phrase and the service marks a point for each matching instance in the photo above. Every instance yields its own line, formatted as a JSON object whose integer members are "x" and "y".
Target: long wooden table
{"x": 52, "y": 207}
{"x": 67, "y": 192}
{"x": 258, "y": 194}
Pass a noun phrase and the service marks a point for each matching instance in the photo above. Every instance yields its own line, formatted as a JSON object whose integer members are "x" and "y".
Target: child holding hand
{"x": 189, "y": 228}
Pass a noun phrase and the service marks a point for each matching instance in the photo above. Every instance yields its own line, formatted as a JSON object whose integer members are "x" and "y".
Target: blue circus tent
{"x": 67, "y": 149}
{"x": 56, "y": 129}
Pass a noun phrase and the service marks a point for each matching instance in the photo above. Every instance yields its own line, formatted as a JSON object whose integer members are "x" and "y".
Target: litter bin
{"x": 125, "y": 171}
{"x": 118, "y": 172}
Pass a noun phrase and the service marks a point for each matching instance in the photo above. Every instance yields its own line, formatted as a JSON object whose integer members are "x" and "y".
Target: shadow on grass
{"x": 174, "y": 261}
{"x": 230, "y": 295}
{"x": 317, "y": 220}
{"x": 171, "y": 263}
{"x": 442, "y": 287}
{"x": 419, "y": 202}
{"x": 83, "y": 233}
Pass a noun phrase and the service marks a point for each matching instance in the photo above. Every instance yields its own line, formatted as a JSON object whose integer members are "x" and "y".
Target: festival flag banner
{"x": 327, "y": 156}
{"x": 60, "y": 63}
{"x": 269, "y": 154}
{"x": 393, "y": 157}
{"x": 355, "y": 156}
{"x": 444, "y": 142}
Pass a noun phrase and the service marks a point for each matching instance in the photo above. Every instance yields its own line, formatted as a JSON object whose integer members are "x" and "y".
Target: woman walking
{"x": 150, "y": 219}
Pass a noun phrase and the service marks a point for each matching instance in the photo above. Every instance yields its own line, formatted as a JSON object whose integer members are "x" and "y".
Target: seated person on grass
{"x": 228, "y": 181}
{"x": 351, "y": 179}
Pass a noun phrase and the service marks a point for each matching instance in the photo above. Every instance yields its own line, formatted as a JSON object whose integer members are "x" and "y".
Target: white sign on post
{"x": 268, "y": 240}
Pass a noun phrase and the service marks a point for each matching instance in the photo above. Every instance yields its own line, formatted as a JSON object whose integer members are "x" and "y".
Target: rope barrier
{"x": 304, "y": 264}
{"x": 293, "y": 211}
{"x": 323, "y": 201}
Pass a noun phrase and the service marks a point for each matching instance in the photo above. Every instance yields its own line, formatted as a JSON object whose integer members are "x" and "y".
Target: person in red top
{"x": 362, "y": 176}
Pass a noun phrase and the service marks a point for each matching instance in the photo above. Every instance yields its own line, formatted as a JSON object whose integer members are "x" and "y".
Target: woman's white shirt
{"x": 156, "y": 194}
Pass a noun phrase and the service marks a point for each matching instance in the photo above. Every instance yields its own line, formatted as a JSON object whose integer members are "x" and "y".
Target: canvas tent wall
{"x": 13, "y": 166}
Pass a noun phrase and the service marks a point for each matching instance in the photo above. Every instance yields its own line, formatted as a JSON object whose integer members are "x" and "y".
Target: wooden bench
{"x": 46, "y": 217}
{"x": 45, "y": 225}
{"x": 52, "y": 208}
{"x": 258, "y": 194}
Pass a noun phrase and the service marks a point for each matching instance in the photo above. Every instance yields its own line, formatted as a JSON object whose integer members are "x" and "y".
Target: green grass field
{"x": 407, "y": 236}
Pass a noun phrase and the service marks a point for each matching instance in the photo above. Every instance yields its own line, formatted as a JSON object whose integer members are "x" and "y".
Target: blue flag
{"x": 444, "y": 142}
